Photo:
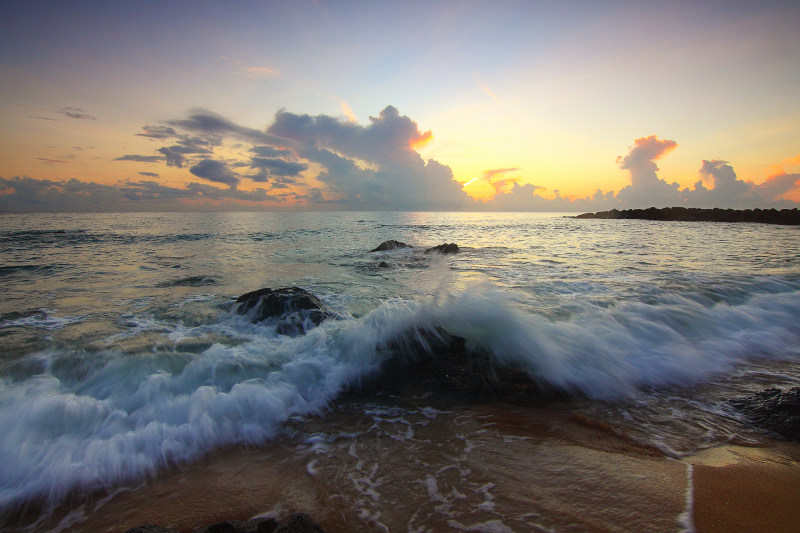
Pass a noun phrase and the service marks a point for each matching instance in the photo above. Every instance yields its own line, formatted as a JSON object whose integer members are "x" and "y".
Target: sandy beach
{"x": 507, "y": 468}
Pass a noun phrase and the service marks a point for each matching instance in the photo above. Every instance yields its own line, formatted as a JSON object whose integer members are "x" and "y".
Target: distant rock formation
{"x": 787, "y": 217}
{"x": 297, "y": 523}
{"x": 446, "y": 248}
{"x": 390, "y": 245}
{"x": 773, "y": 409}
{"x": 293, "y": 309}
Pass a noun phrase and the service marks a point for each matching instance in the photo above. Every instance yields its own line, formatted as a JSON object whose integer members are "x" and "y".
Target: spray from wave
{"x": 84, "y": 421}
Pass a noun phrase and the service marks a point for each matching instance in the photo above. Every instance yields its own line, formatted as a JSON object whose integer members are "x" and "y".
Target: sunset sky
{"x": 527, "y": 105}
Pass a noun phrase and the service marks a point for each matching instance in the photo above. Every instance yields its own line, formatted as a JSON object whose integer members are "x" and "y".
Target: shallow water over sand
{"x": 122, "y": 364}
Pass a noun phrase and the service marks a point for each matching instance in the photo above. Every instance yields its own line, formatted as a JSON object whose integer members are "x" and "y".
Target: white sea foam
{"x": 96, "y": 420}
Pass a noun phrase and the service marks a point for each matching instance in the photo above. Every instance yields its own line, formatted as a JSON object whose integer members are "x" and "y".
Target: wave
{"x": 85, "y": 421}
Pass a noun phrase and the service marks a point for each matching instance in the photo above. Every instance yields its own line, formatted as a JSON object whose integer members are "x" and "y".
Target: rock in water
{"x": 775, "y": 410}
{"x": 446, "y": 248}
{"x": 390, "y": 245}
{"x": 431, "y": 360}
{"x": 293, "y": 309}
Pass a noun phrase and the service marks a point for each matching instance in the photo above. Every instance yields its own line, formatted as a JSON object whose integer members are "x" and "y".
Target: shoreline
{"x": 746, "y": 489}
{"x": 540, "y": 468}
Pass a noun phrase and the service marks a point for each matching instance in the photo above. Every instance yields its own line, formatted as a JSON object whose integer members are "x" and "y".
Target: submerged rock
{"x": 446, "y": 248}
{"x": 295, "y": 310}
{"x": 773, "y": 409}
{"x": 432, "y": 360}
{"x": 390, "y": 245}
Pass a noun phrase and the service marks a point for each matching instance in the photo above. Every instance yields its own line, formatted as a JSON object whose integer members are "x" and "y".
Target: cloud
{"x": 253, "y": 71}
{"x": 278, "y": 167}
{"x": 157, "y": 132}
{"x": 209, "y": 123}
{"x": 261, "y": 72}
{"x": 645, "y": 185}
{"x": 141, "y": 158}
{"x": 24, "y": 194}
{"x": 269, "y": 151}
{"x": 174, "y": 157}
{"x": 149, "y": 174}
{"x": 42, "y": 118}
{"x": 214, "y": 170}
{"x": 325, "y": 160}
{"x": 372, "y": 166}
{"x": 75, "y": 112}
{"x": 50, "y": 161}
{"x": 490, "y": 92}
{"x": 348, "y": 111}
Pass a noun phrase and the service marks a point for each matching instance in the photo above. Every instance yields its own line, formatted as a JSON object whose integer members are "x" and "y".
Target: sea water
{"x": 120, "y": 358}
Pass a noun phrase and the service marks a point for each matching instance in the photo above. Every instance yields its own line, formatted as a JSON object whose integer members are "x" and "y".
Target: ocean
{"x": 127, "y": 383}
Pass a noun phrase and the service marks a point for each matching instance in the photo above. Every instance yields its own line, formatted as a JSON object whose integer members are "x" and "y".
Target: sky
{"x": 434, "y": 105}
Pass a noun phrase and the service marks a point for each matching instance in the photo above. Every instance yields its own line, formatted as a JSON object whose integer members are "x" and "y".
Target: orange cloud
{"x": 421, "y": 140}
{"x": 261, "y": 72}
{"x": 348, "y": 112}
{"x": 490, "y": 92}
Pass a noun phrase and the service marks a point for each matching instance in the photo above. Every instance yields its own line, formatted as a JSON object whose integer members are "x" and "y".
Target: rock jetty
{"x": 786, "y": 217}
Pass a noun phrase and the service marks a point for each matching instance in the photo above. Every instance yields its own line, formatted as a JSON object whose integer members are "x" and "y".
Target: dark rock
{"x": 787, "y": 217}
{"x": 295, "y": 310}
{"x": 256, "y": 525}
{"x": 446, "y": 248}
{"x": 432, "y": 360}
{"x": 151, "y": 529}
{"x": 220, "y": 527}
{"x": 383, "y": 264}
{"x": 299, "y": 523}
{"x": 773, "y": 409}
{"x": 390, "y": 245}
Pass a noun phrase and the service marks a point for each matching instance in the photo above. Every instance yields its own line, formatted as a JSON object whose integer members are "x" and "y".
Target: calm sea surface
{"x": 120, "y": 358}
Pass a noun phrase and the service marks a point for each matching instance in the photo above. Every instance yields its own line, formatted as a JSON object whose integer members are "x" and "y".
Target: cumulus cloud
{"x": 372, "y": 166}
{"x": 645, "y": 185}
{"x": 326, "y": 161}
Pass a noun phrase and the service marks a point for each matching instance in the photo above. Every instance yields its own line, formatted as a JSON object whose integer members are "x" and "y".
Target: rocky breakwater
{"x": 786, "y": 217}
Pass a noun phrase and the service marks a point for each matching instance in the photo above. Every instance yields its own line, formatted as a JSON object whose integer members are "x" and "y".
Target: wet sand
{"x": 484, "y": 467}
{"x": 747, "y": 489}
